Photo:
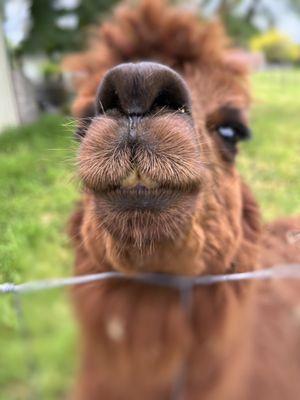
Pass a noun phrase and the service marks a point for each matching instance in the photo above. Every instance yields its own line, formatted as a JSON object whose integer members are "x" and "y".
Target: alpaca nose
{"x": 142, "y": 88}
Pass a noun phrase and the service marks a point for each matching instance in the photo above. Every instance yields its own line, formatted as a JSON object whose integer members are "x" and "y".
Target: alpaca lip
{"x": 139, "y": 197}
{"x": 137, "y": 192}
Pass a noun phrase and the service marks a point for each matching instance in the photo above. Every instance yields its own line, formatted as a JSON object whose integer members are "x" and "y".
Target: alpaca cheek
{"x": 232, "y": 215}
{"x": 92, "y": 237}
{"x": 221, "y": 225}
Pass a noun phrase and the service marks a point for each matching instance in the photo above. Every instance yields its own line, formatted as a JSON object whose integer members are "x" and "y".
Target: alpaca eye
{"x": 234, "y": 133}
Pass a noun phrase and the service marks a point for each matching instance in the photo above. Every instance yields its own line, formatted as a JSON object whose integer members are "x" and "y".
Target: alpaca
{"x": 162, "y": 104}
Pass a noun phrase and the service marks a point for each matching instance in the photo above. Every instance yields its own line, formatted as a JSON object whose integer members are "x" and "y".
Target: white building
{"x": 9, "y": 115}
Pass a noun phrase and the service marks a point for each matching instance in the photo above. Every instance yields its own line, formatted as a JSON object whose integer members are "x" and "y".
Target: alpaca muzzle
{"x": 140, "y": 157}
{"x": 142, "y": 136}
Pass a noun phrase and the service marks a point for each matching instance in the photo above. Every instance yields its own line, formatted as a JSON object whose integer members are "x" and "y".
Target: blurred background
{"x": 36, "y": 34}
{"x": 38, "y": 187}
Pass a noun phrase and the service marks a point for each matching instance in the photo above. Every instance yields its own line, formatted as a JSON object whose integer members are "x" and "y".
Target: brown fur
{"x": 239, "y": 341}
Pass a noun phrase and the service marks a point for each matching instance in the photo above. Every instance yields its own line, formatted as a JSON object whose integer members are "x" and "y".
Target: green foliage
{"x": 277, "y": 47}
{"x": 240, "y": 16}
{"x": 47, "y": 37}
{"x": 51, "y": 70}
{"x": 239, "y": 25}
{"x": 295, "y": 5}
{"x": 38, "y": 192}
{"x": 240, "y": 31}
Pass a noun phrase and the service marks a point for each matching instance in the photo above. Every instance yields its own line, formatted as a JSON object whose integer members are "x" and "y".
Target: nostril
{"x": 142, "y": 88}
{"x": 108, "y": 98}
{"x": 170, "y": 99}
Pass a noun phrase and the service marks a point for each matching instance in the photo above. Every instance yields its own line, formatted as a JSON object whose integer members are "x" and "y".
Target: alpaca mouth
{"x": 137, "y": 192}
{"x": 140, "y": 197}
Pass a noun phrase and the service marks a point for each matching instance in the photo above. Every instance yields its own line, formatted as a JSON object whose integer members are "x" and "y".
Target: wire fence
{"x": 183, "y": 283}
{"x": 291, "y": 271}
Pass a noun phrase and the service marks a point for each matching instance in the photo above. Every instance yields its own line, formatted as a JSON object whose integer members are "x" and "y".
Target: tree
{"x": 240, "y": 16}
{"x": 49, "y": 37}
{"x": 295, "y": 5}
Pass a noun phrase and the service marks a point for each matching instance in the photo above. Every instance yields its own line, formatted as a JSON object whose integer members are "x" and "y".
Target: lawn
{"x": 270, "y": 163}
{"x": 37, "y": 191}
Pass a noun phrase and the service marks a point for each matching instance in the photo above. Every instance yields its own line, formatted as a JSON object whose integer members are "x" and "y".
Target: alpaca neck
{"x": 221, "y": 318}
{"x": 177, "y": 258}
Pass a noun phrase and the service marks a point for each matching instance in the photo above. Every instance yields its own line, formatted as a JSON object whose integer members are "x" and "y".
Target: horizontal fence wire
{"x": 291, "y": 271}
{"x": 184, "y": 284}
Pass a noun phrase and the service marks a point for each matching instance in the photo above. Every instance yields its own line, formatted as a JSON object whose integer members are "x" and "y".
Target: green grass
{"x": 271, "y": 162}
{"x": 37, "y": 192}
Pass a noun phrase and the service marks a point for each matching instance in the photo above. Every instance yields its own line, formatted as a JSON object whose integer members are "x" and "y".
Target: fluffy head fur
{"x": 150, "y": 31}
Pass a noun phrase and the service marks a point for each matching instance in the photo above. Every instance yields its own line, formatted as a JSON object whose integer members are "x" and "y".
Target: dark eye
{"x": 234, "y": 132}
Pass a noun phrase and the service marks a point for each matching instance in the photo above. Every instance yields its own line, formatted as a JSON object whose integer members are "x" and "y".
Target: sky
{"x": 17, "y": 18}
{"x": 287, "y": 21}
{"x": 290, "y": 24}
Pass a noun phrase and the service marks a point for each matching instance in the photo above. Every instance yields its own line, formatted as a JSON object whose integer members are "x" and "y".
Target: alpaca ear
{"x": 84, "y": 112}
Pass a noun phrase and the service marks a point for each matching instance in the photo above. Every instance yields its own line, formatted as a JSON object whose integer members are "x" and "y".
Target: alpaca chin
{"x": 146, "y": 222}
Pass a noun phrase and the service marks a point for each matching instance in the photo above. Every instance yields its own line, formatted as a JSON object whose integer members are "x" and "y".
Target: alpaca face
{"x": 153, "y": 165}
